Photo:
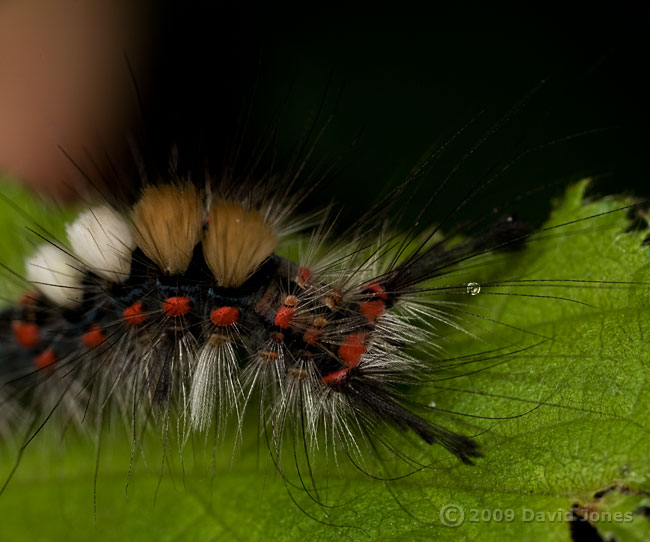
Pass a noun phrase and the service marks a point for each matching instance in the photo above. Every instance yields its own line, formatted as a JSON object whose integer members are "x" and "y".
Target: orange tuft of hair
{"x": 168, "y": 222}
{"x": 236, "y": 242}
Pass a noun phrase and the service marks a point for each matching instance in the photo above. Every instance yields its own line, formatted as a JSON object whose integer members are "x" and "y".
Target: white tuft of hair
{"x": 56, "y": 275}
{"x": 102, "y": 239}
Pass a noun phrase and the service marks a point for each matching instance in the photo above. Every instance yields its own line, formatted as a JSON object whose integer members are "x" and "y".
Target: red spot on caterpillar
{"x": 283, "y": 317}
{"x": 376, "y": 289}
{"x": 337, "y": 377}
{"x": 303, "y": 276}
{"x": 176, "y": 306}
{"x": 224, "y": 316}
{"x": 46, "y": 358}
{"x": 93, "y": 337}
{"x": 277, "y": 337}
{"x": 312, "y": 335}
{"x": 352, "y": 348}
{"x": 135, "y": 314}
{"x": 372, "y": 309}
{"x": 26, "y": 334}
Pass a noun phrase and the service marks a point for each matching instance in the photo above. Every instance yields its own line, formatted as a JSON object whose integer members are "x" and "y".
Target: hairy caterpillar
{"x": 357, "y": 255}
{"x": 329, "y": 347}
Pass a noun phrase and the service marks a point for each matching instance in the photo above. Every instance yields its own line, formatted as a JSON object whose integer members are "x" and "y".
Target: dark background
{"x": 398, "y": 85}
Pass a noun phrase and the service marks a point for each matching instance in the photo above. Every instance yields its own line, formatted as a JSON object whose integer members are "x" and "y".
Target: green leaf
{"x": 562, "y": 416}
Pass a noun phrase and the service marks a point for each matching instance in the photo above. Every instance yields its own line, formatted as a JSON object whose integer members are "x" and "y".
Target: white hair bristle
{"x": 102, "y": 239}
{"x": 56, "y": 275}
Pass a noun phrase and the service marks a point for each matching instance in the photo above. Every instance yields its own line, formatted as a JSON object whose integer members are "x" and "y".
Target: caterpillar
{"x": 177, "y": 313}
{"x": 205, "y": 301}
{"x": 184, "y": 304}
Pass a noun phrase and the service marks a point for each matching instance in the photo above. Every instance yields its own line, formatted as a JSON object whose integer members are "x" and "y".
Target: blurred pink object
{"x": 65, "y": 82}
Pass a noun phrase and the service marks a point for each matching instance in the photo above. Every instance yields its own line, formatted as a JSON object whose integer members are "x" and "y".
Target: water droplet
{"x": 473, "y": 288}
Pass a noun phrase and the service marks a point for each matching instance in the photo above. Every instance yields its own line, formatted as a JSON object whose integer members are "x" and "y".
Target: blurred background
{"x": 114, "y": 83}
